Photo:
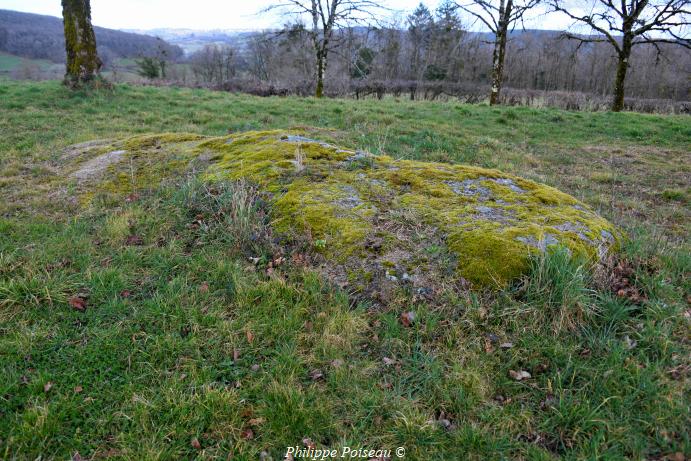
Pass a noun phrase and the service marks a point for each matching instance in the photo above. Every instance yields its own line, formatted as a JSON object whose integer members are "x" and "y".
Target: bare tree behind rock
{"x": 629, "y": 23}
{"x": 500, "y": 16}
{"x": 326, "y": 16}
{"x": 83, "y": 63}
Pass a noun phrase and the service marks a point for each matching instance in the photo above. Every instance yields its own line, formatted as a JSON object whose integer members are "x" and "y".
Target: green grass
{"x": 9, "y": 62}
{"x": 35, "y": 67}
{"x": 184, "y": 338}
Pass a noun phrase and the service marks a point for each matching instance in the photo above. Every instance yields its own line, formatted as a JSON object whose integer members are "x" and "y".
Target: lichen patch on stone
{"x": 97, "y": 165}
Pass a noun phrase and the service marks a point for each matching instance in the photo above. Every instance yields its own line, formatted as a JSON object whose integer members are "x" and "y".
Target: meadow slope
{"x": 138, "y": 328}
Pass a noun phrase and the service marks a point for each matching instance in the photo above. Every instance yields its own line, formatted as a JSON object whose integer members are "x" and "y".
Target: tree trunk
{"x": 622, "y": 67}
{"x": 499, "y": 51}
{"x": 83, "y": 63}
{"x": 321, "y": 69}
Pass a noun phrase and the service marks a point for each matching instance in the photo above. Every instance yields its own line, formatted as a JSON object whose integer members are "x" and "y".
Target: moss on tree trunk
{"x": 83, "y": 63}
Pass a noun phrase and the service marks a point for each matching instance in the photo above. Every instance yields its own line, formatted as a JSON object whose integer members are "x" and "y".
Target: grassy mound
{"x": 137, "y": 328}
{"x": 384, "y": 222}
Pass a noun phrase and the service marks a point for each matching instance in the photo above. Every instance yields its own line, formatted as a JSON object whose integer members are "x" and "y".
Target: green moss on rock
{"x": 374, "y": 214}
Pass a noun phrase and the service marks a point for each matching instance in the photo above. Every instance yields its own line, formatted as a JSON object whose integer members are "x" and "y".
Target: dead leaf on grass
{"x": 78, "y": 303}
{"x": 519, "y": 375}
{"x": 407, "y": 318}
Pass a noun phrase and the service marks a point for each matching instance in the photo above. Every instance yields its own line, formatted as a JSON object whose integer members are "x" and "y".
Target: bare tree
{"x": 326, "y": 16}
{"x": 630, "y": 23}
{"x": 499, "y": 16}
{"x": 83, "y": 63}
{"x": 214, "y": 63}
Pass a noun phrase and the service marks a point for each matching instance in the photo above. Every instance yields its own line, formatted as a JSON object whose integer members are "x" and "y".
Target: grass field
{"x": 9, "y": 62}
{"x": 23, "y": 68}
{"x": 16, "y": 67}
{"x": 185, "y": 350}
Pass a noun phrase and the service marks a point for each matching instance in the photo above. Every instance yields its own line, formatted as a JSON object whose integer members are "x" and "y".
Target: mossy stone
{"x": 489, "y": 221}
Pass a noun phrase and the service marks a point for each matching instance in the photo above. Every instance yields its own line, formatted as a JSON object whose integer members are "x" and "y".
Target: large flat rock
{"x": 378, "y": 220}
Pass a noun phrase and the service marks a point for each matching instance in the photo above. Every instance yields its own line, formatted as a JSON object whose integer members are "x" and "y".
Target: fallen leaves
{"x": 133, "y": 197}
{"x": 679, "y": 372}
{"x": 407, "y": 318}
{"x": 249, "y": 335}
{"x": 548, "y": 402}
{"x": 541, "y": 367}
{"x": 501, "y": 400}
{"x": 300, "y": 259}
{"x": 48, "y": 386}
{"x": 491, "y": 340}
{"x": 520, "y": 375}
{"x": 444, "y": 421}
{"x": 274, "y": 263}
{"x": 247, "y": 433}
{"x": 388, "y": 361}
{"x": 256, "y": 422}
{"x": 620, "y": 281}
{"x": 316, "y": 374}
{"x": 78, "y": 303}
{"x": 134, "y": 240}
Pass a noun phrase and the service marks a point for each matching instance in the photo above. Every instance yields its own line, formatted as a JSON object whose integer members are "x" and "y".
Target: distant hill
{"x": 191, "y": 40}
{"x": 41, "y": 37}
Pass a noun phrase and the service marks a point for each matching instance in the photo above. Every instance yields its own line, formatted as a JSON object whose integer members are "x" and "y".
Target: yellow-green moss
{"x": 146, "y": 162}
{"x": 137, "y": 143}
{"x": 491, "y": 221}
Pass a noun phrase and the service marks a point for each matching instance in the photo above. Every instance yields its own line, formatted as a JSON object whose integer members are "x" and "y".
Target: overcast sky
{"x": 208, "y": 14}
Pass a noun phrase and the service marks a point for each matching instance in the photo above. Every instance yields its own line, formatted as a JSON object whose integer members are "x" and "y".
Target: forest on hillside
{"x": 41, "y": 37}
